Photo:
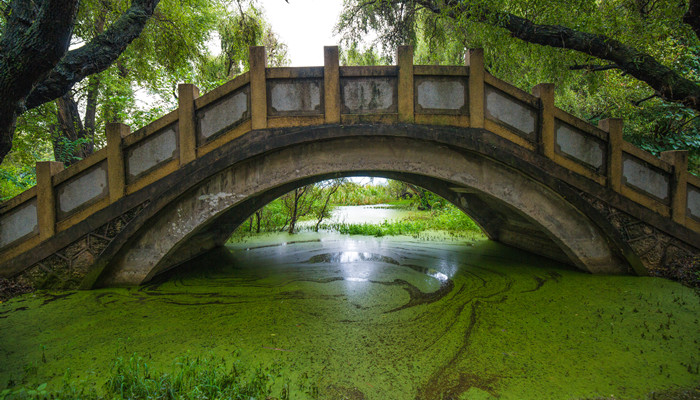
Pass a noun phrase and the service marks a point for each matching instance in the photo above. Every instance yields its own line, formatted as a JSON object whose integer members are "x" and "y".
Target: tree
{"x": 669, "y": 84}
{"x": 36, "y": 65}
{"x": 238, "y": 30}
{"x": 171, "y": 43}
{"x": 635, "y": 59}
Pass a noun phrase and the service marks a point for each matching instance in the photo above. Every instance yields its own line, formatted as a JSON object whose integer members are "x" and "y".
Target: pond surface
{"x": 375, "y": 318}
{"x": 371, "y": 214}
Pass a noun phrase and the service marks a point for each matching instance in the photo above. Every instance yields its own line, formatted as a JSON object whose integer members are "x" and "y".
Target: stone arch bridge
{"x": 531, "y": 175}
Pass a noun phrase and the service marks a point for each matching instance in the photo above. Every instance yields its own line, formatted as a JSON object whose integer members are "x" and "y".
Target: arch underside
{"x": 511, "y": 207}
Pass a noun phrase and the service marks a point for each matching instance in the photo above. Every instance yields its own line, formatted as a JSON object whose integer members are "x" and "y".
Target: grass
{"x": 448, "y": 219}
{"x": 189, "y": 378}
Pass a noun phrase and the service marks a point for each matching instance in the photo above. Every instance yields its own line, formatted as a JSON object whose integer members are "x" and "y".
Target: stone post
{"x": 474, "y": 59}
{"x": 331, "y": 84}
{"x": 115, "y": 160}
{"x": 405, "y": 62}
{"x": 679, "y": 186}
{"x": 258, "y": 89}
{"x": 545, "y": 91}
{"x": 614, "y": 162}
{"x": 46, "y": 198}
{"x": 187, "y": 92}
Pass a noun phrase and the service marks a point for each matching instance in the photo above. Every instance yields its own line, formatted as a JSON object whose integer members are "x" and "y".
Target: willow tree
{"x": 636, "y": 59}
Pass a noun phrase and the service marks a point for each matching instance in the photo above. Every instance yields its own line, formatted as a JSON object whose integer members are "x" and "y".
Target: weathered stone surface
{"x": 441, "y": 94}
{"x": 222, "y": 115}
{"x": 157, "y": 149}
{"x": 88, "y": 187}
{"x": 694, "y": 201}
{"x": 67, "y": 268}
{"x": 295, "y": 96}
{"x": 19, "y": 223}
{"x": 579, "y": 145}
{"x": 640, "y": 175}
{"x": 660, "y": 253}
{"x": 369, "y": 95}
{"x": 181, "y": 220}
{"x": 502, "y": 108}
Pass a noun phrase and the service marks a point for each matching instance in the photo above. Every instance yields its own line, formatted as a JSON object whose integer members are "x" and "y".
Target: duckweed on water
{"x": 348, "y": 317}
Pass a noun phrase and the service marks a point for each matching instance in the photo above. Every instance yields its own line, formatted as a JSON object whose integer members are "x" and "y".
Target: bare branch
{"x": 638, "y": 102}
{"x": 593, "y": 67}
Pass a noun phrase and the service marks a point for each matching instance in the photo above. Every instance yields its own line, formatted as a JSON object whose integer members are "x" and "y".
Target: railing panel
{"x": 223, "y": 115}
{"x": 295, "y": 97}
{"x": 147, "y": 155}
{"x": 579, "y": 146}
{"x": 370, "y": 95}
{"x": 514, "y": 114}
{"x": 441, "y": 95}
{"x": 20, "y": 223}
{"x": 642, "y": 176}
{"x": 82, "y": 190}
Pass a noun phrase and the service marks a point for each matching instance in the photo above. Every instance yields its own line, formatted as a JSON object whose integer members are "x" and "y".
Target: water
{"x": 370, "y": 214}
{"x": 362, "y": 317}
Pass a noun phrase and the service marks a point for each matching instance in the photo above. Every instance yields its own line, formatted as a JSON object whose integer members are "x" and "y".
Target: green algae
{"x": 374, "y": 318}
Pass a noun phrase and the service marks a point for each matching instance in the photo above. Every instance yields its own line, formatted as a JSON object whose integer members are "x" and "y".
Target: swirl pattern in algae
{"x": 376, "y": 319}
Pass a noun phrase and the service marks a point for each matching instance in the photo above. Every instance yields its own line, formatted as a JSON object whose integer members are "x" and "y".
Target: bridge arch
{"x": 512, "y": 206}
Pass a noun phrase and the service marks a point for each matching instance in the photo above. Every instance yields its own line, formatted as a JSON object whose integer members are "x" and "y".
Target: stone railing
{"x": 459, "y": 96}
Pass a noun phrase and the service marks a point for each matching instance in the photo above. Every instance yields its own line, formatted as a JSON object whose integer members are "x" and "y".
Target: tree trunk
{"x": 35, "y": 64}
{"x": 71, "y": 143}
{"x": 293, "y": 216}
{"x": 321, "y": 213}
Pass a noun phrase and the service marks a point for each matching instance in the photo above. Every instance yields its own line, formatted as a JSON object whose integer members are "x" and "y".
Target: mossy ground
{"x": 374, "y": 318}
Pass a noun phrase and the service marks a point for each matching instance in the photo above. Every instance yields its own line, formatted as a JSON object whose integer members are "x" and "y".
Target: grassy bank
{"x": 189, "y": 377}
{"x": 447, "y": 219}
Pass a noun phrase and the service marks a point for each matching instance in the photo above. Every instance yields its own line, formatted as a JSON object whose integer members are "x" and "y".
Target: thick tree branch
{"x": 670, "y": 85}
{"x": 34, "y": 38}
{"x": 96, "y": 56}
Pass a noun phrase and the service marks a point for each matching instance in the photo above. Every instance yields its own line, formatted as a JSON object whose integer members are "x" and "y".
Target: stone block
{"x": 370, "y": 95}
{"x": 82, "y": 190}
{"x": 507, "y": 110}
{"x": 642, "y": 176}
{"x": 579, "y": 145}
{"x": 19, "y": 223}
{"x": 146, "y": 155}
{"x": 441, "y": 95}
{"x": 217, "y": 118}
{"x": 295, "y": 97}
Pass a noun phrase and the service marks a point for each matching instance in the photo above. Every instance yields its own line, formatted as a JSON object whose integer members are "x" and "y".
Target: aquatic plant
{"x": 191, "y": 377}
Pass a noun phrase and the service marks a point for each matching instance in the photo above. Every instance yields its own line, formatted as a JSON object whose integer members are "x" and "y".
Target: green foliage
{"x": 238, "y": 30}
{"x": 276, "y": 215}
{"x": 447, "y": 218}
{"x": 141, "y": 85}
{"x": 189, "y": 378}
{"x": 354, "y": 194}
{"x": 355, "y": 56}
{"x": 65, "y": 149}
{"x": 651, "y": 26}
